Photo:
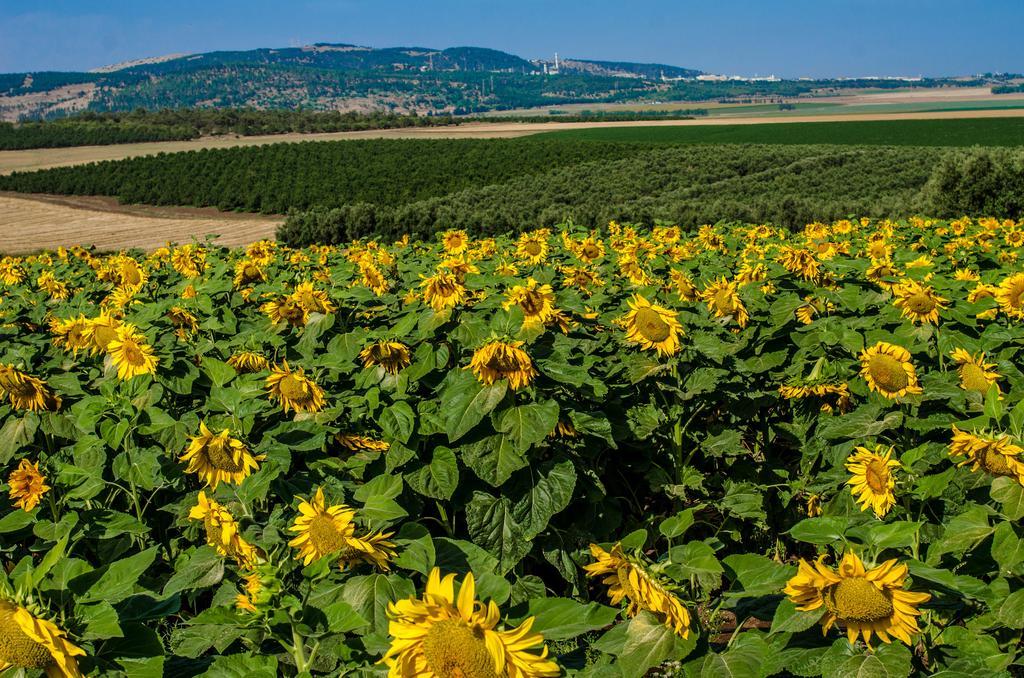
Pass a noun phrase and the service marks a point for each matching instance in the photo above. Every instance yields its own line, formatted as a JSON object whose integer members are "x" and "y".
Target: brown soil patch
{"x": 29, "y": 223}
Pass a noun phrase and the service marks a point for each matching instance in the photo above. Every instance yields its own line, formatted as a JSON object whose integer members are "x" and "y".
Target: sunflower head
{"x": 131, "y": 354}
{"x": 246, "y": 362}
{"x": 872, "y": 479}
{"x": 443, "y": 290}
{"x": 499, "y": 360}
{"x": 975, "y": 374}
{"x": 391, "y": 356}
{"x": 27, "y": 485}
{"x": 653, "y": 327}
{"x": 25, "y": 392}
{"x": 888, "y": 371}
{"x": 996, "y": 455}
{"x": 222, "y": 531}
{"x": 918, "y": 302}
{"x": 218, "y": 458}
{"x": 1010, "y": 296}
{"x": 294, "y": 389}
{"x": 324, "y": 529}
{"x": 29, "y": 642}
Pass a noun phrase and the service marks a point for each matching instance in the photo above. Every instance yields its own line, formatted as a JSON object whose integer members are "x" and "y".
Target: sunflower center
{"x": 454, "y": 650}
{"x": 132, "y": 353}
{"x": 973, "y": 378}
{"x": 218, "y": 452}
{"x": 1016, "y": 290}
{"x": 293, "y": 388}
{"x": 651, "y": 325}
{"x": 532, "y": 248}
{"x": 920, "y": 303}
{"x": 888, "y": 373}
{"x": 532, "y": 303}
{"x": 723, "y": 301}
{"x": 995, "y": 463}
{"x": 858, "y": 600}
{"x": 324, "y": 534}
{"x": 590, "y": 251}
{"x": 16, "y": 647}
{"x": 503, "y": 362}
{"x": 876, "y": 474}
{"x": 22, "y": 389}
{"x": 103, "y": 335}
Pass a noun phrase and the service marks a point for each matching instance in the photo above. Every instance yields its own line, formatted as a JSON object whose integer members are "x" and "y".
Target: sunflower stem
{"x": 298, "y": 650}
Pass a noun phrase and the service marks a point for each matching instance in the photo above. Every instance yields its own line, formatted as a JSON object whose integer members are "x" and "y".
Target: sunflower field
{"x": 737, "y": 451}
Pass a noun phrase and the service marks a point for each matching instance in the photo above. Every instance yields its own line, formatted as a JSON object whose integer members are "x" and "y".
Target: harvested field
{"x": 32, "y": 223}
{"x": 12, "y": 161}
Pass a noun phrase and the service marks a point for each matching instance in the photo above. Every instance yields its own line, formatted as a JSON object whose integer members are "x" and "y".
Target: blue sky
{"x": 785, "y": 37}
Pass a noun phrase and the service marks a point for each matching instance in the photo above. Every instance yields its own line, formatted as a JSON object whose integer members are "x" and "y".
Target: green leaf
{"x": 754, "y": 575}
{"x": 398, "y": 422}
{"x": 527, "y": 425}
{"x": 649, "y": 643}
{"x": 563, "y": 618}
{"x": 243, "y": 666}
{"x": 739, "y": 661}
{"x": 100, "y": 620}
{"x": 493, "y": 459}
{"x": 116, "y": 581}
{"x": 548, "y": 496}
{"x": 15, "y": 434}
{"x": 1011, "y": 611}
{"x": 439, "y": 478}
{"x": 219, "y": 372}
{"x": 493, "y": 526}
{"x": 821, "y": 530}
{"x": 1010, "y": 494}
{"x": 369, "y": 596}
{"x": 1007, "y": 548}
{"x": 886, "y": 661}
{"x": 788, "y": 619}
{"x": 465, "y": 402}
{"x": 204, "y": 568}
{"x": 677, "y": 525}
{"x": 696, "y": 559}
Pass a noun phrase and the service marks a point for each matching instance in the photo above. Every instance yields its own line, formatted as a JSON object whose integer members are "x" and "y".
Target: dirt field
{"x": 32, "y": 223}
{"x": 12, "y": 161}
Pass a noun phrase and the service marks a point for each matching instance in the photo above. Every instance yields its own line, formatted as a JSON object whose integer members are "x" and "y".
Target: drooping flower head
{"x": 996, "y": 455}
{"x": 26, "y": 392}
{"x": 323, "y": 530}
{"x": 499, "y": 360}
{"x": 392, "y": 356}
{"x": 247, "y": 362}
{"x": 863, "y": 601}
{"x": 441, "y": 635}
{"x": 724, "y": 301}
{"x": 27, "y": 485}
{"x": 443, "y": 290}
{"x": 294, "y": 389}
{"x": 35, "y": 644}
{"x": 222, "y": 531}
{"x": 219, "y": 458}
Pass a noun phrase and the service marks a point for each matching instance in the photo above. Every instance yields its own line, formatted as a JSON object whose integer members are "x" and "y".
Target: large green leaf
{"x": 527, "y": 425}
{"x": 493, "y": 526}
{"x": 465, "y": 402}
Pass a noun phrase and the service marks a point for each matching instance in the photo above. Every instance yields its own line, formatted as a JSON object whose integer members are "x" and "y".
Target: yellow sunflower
{"x": 248, "y": 272}
{"x": 357, "y": 442}
{"x": 723, "y": 300}
{"x": 503, "y": 360}
{"x": 222, "y": 531}
{"x": 455, "y": 242}
{"x": 873, "y": 482}
{"x": 323, "y": 530}
{"x": 537, "y": 302}
{"x": 311, "y": 299}
{"x": 131, "y": 354}
{"x": 629, "y": 580}
{"x": 185, "y": 323}
{"x": 532, "y": 247}
{"x": 443, "y": 290}
{"x": 442, "y": 636}
{"x": 653, "y": 327}
{"x": 863, "y": 601}
{"x": 247, "y": 362}
{"x": 975, "y": 374}
{"x": 34, "y": 644}
{"x": 391, "y": 356}
{"x": 101, "y": 331}
{"x": 219, "y": 458}
{"x": 1009, "y": 296}
{"x": 918, "y": 302}
{"x": 294, "y": 389}
{"x": 25, "y": 392}
{"x": 996, "y": 455}
{"x": 27, "y": 485}
{"x": 888, "y": 370}
{"x": 285, "y": 310}
{"x": 372, "y": 278}
{"x": 71, "y": 334}
{"x": 881, "y": 272}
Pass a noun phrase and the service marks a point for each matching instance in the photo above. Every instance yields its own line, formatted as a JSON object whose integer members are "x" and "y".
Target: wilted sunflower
{"x": 311, "y": 299}
{"x": 27, "y": 486}
{"x": 503, "y": 360}
{"x": 653, "y": 327}
{"x": 975, "y": 374}
{"x": 25, "y": 392}
{"x": 629, "y": 580}
{"x": 247, "y": 362}
{"x": 131, "y": 354}
{"x": 189, "y": 260}
{"x": 918, "y": 302}
{"x": 683, "y": 285}
{"x": 248, "y": 272}
{"x": 185, "y": 323}
{"x": 872, "y": 483}
{"x": 285, "y": 310}
{"x": 443, "y": 636}
{"x": 863, "y": 601}
{"x": 537, "y": 302}
{"x": 888, "y": 370}
{"x": 802, "y": 262}
{"x": 294, "y": 390}
{"x": 357, "y": 442}
{"x": 219, "y": 458}
{"x": 1011, "y": 289}
{"x": 831, "y": 396}
{"x": 998, "y": 456}
{"x": 32, "y": 643}
{"x": 222, "y": 531}
{"x": 324, "y": 530}
{"x": 443, "y": 290}
{"x": 392, "y": 356}
{"x": 723, "y": 300}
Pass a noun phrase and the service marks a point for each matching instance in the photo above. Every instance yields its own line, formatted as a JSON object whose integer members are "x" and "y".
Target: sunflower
{"x": 247, "y": 600}
{"x": 813, "y": 505}
{"x": 219, "y": 458}
{"x": 503, "y": 360}
{"x": 590, "y": 250}
{"x": 723, "y": 300}
{"x": 131, "y": 354}
{"x": 248, "y": 272}
{"x": 323, "y": 530}
{"x": 975, "y": 374}
{"x": 285, "y": 310}
{"x": 683, "y": 285}
{"x": 454, "y": 242}
{"x": 246, "y": 362}
{"x": 185, "y": 323}
{"x": 873, "y": 482}
{"x": 189, "y": 260}
{"x": 25, "y": 392}
{"x": 629, "y": 580}
{"x": 864, "y": 601}
{"x": 998, "y": 456}
{"x": 532, "y": 247}
{"x": 392, "y": 356}
{"x": 918, "y": 302}
{"x": 102, "y": 330}
{"x": 831, "y": 396}
{"x": 443, "y": 290}
{"x": 71, "y": 334}
{"x": 372, "y": 278}
{"x": 1009, "y": 296}
{"x": 294, "y": 390}
{"x": 441, "y": 636}
{"x": 537, "y": 303}
{"x": 27, "y": 485}
{"x": 888, "y": 371}
{"x": 653, "y": 327}
{"x": 802, "y": 262}
{"x": 311, "y": 299}
{"x": 29, "y": 642}
{"x": 222, "y": 531}
{"x": 357, "y": 442}
{"x": 881, "y": 272}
